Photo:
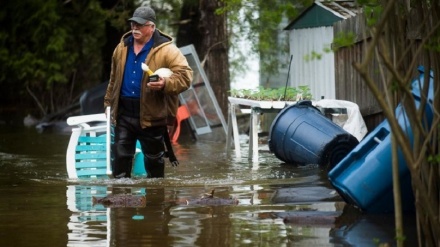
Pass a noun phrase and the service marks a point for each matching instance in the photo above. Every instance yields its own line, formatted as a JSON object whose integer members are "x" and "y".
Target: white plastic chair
{"x": 88, "y": 152}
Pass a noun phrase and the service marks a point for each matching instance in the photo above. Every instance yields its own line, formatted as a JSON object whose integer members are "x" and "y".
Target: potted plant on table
{"x": 273, "y": 97}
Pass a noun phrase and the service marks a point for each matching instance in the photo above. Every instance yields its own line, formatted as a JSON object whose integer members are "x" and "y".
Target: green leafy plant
{"x": 273, "y": 94}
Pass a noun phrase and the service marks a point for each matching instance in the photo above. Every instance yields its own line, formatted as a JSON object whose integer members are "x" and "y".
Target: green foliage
{"x": 373, "y": 10}
{"x": 344, "y": 40}
{"x": 47, "y": 44}
{"x": 433, "y": 44}
{"x": 261, "y": 22}
{"x": 313, "y": 56}
{"x": 167, "y": 13}
{"x": 273, "y": 94}
{"x": 435, "y": 159}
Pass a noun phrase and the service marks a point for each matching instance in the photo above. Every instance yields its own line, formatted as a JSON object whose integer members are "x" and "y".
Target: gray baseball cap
{"x": 143, "y": 14}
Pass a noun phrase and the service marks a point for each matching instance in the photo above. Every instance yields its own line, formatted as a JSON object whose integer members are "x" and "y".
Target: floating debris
{"x": 209, "y": 199}
{"x": 120, "y": 201}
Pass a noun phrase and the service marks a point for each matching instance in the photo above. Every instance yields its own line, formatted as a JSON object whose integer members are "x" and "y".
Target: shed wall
{"x": 349, "y": 84}
{"x": 307, "y": 69}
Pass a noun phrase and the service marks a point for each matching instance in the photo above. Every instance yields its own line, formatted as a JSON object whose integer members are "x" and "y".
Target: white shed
{"x": 310, "y": 38}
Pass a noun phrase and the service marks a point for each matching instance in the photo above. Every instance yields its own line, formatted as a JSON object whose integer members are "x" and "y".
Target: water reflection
{"x": 88, "y": 225}
{"x": 115, "y": 225}
{"x": 266, "y": 215}
{"x": 279, "y": 205}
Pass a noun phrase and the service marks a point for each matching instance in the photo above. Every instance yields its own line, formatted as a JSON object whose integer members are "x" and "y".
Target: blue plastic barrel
{"x": 417, "y": 86}
{"x": 364, "y": 177}
{"x": 300, "y": 134}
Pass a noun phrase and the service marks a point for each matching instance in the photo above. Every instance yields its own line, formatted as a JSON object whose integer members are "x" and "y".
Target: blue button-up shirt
{"x": 131, "y": 86}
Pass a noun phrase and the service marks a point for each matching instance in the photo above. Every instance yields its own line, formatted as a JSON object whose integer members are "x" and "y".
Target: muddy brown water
{"x": 278, "y": 204}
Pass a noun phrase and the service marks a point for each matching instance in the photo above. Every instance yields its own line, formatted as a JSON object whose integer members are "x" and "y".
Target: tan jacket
{"x": 154, "y": 104}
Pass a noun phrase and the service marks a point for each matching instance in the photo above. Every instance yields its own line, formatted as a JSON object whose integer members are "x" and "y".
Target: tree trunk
{"x": 188, "y": 32}
{"x": 214, "y": 50}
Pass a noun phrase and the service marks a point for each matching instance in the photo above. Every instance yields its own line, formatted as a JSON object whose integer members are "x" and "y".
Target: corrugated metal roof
{"x": 339, "y": 8}
{"x": 344, "y": 9}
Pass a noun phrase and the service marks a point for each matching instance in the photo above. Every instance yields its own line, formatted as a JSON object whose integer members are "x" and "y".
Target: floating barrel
{"x": 364, "y": 177}
{"x": 300, "y": 134}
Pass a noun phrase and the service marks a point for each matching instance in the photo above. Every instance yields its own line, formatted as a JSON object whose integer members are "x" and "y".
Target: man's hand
{"x": 157, "y": 85}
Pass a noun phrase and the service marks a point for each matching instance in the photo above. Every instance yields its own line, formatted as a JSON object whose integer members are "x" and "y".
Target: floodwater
{"x": 278, "y": 204}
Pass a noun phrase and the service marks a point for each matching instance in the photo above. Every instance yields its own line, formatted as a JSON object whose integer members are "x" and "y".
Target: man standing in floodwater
{"x": 139, "y": 103}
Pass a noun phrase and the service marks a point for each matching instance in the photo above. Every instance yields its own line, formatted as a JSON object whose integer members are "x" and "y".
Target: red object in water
{"x": 182, "y": 114}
